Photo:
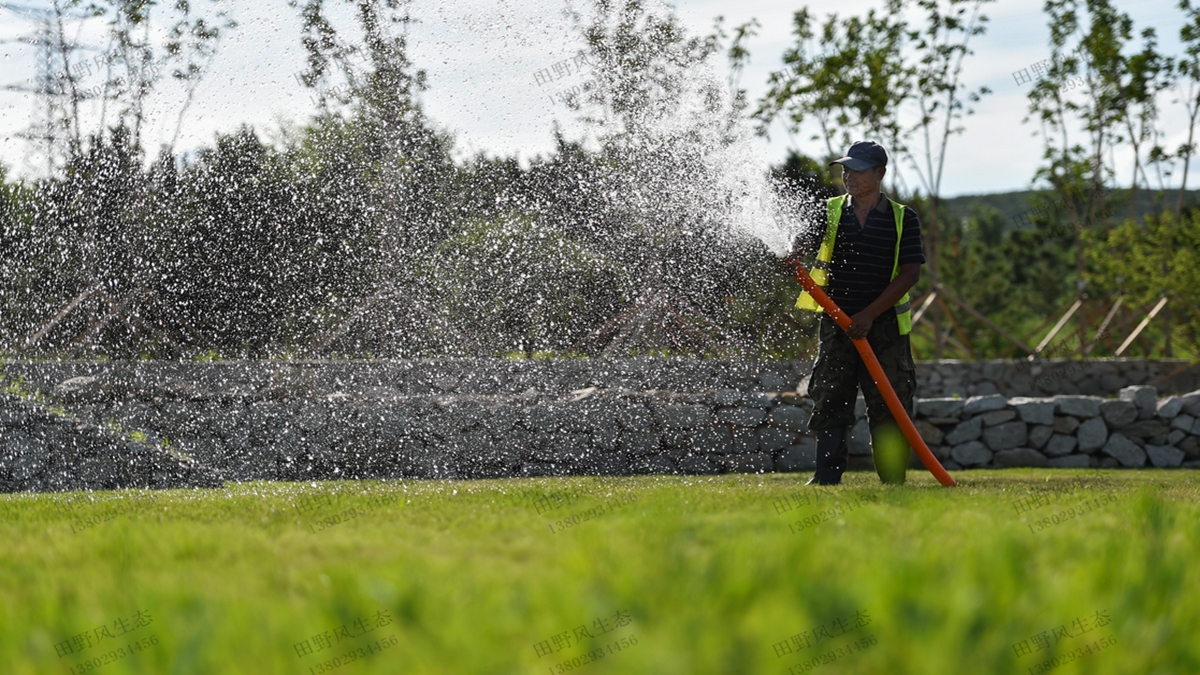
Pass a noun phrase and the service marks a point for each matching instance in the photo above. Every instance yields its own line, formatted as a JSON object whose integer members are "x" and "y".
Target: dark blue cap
{"x": 863, "y": 155}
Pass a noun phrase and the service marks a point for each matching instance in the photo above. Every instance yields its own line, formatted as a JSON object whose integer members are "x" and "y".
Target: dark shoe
{"x": 817, "y": 480}
{"x": 832, "y": 455}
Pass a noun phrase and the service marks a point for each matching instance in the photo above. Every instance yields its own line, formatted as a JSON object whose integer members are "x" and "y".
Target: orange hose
{"x": 885, "y": 387}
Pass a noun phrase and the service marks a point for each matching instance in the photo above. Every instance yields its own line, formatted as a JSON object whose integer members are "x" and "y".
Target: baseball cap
{"x": 863, "y": 155}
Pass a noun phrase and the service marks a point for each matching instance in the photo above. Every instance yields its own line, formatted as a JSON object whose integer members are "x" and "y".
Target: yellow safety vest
{"x": 820, "y": 269}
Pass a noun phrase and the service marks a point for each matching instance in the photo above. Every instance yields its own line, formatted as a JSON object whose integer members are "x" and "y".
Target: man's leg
{"x": 891, "y": 451}
{"x": 833, "y": 387}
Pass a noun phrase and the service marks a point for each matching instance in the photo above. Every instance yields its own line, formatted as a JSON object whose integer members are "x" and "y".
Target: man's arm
{"x": 908, "y": 277}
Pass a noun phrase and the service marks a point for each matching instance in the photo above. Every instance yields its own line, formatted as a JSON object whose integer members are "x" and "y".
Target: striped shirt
{"x": 862, "y": 257}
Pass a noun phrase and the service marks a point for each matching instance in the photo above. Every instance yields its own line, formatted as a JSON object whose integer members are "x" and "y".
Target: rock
{"x": 1191, "y": 403}
{"x": 742, "y": 442}
{"x": 639, "y": 442}
{"x": 1060, "y": 446}
{"x": 931, "y": 434}
{"x": 966, "y": 431}
{"x": 943, "y": 421}
{"x": 1071, "y": 462}
{"x": 1146, "y": 429}
{"x": 772, "y": 381}
{"x": 998, "y": 417}
{"x": 654, "y": 464}
{"x": 982, "y": 404}
{"x": 1175, "y": 436}
{"x": 1038, "y": 435}
{"x": 939, "y": 407}
{"x": 800, "y": 457}
{"x": 1078, "y": 406}
{"x": 1169, "y": 407}
{"x": 971, "y": 453}
{"x": 1005, "y": 436}
{"x": 1190, "y": 446}
{"x": 859, "y": 440}
{"x": 1092, "y": 434}
{"x": 741, "y": 416}
{"x": 951, "y": 465}
{"x": 1065, "y": 425}
{"x": 755, "y": 462}
{"x": 770, "y": 439}
{"x": 757, "y": 399}
{"x": 684, "y": 416}
{"x": 1145, "y": 398}
{"x": 1164, "y": 455}
{"x": 728, "y": 397}
{"x": 1193, "y": 464}
{"x": 1109, "y": 463}
{"x": 1183, "y": 423}
{"x": 1033, "y": 410}
{"x": 1020, "y": 457}
{"x": 708, "y": 439}
{"x": 790, "y": 417}
{"x": 1118, "y": 414}
{"x": 1124, "y": 450}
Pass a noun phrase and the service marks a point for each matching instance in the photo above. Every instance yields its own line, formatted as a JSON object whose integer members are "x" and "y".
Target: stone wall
{"x": 473, "y": 419}
{"x": 46, "y": 450}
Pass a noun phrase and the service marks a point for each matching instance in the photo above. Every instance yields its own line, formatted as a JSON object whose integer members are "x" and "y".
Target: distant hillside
{"x": 1012, "y": 204}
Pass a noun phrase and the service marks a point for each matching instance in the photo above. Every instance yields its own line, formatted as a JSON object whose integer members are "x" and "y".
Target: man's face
{"x": 863, "y": 182}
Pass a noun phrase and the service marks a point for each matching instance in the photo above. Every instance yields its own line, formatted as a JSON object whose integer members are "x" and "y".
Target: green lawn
{"x": 682, "y": 575}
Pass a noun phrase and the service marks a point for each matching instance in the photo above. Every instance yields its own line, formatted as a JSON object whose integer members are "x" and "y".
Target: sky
{"x": 483, "y": 57}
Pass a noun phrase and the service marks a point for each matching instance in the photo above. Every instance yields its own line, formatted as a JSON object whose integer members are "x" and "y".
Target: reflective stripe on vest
{"x": 820, "y": 269}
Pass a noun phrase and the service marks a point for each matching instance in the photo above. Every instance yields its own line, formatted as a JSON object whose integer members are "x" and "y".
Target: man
{"x": 869, "y": 256}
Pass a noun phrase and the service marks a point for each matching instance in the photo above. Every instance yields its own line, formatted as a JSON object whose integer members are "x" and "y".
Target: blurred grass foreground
{"x": 1014, "y": 571}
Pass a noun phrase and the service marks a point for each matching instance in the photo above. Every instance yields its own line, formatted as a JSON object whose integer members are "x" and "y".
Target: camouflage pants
{"x": 839, "y": 372}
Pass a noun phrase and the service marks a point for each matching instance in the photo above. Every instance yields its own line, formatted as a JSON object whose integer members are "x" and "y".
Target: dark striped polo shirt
{"x": 862, "y": 257}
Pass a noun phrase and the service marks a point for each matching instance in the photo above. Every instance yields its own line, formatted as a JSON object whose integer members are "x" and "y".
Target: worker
{"x": 868, "y": 256}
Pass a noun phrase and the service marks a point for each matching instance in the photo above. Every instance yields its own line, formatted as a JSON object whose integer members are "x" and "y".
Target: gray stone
{"x": 770, "y": 439}
{"x": 708, "y": 440}
{"x": 1060, "y": 445}
{"x": 995, "y": 417}
{"x": 639, "y": 442}
{"x": 1109, "y": 463}
{"x": 654, "y": 464}
{"x": 741, "y": 416}
{"x": 758, "y": 399}
{"x": 1145, "y": 398}
{"x": 1146, "y": 429}
{"x": 939, "y": 407}
{"x": 772, "y": 381}
{"x": 1190, "y": 446}
{"x": 859, "y": 440}
{"x": 1183, "y": 423}
{"x": 1039, "y": 435}
{"x": 684, "y": 416}
{"x": 1065, "y": 425}
{"x": 1078, "y": 406}
{"x": 1124, "y": 451}
{"x": 985, "y": 389}
{"x": 1118, "y": 414}
{"x": 696, "y": 465}
{"x": 728, "y": 397}
{"x": 971, "y": 453}
{"x": 799, "y": 457}
{"x": 1071, "y": 462}
{"x": 742, "y": 442}
{"x": 1033, "y": 410}
{"x": 1169, "y": 407}
{"x": 1191, "y": 403}
{"x": 1019, "y": 457}
{"x": 755, "y": 462}
{"x": 1092, "y": 434}
{"x": 943, "y": 421}
{"x": 1192, "y": 464}
{"x": 1164, "y": 455}
{"x": 931, "y": 434}
{"x": 951, "y": 465}
{"x": 1005, "y": 436}
{"x": 1175, "y": 436}
{"x": 966, "y": 431}
{"x": 982, "y": 404}
{"x": 790, "y": 417}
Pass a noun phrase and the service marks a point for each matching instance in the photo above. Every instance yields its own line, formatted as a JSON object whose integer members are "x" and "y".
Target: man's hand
{"x": 860, "y": 325}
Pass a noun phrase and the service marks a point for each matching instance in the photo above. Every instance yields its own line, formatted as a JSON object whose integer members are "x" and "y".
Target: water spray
{"x": 885, "y": 387}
